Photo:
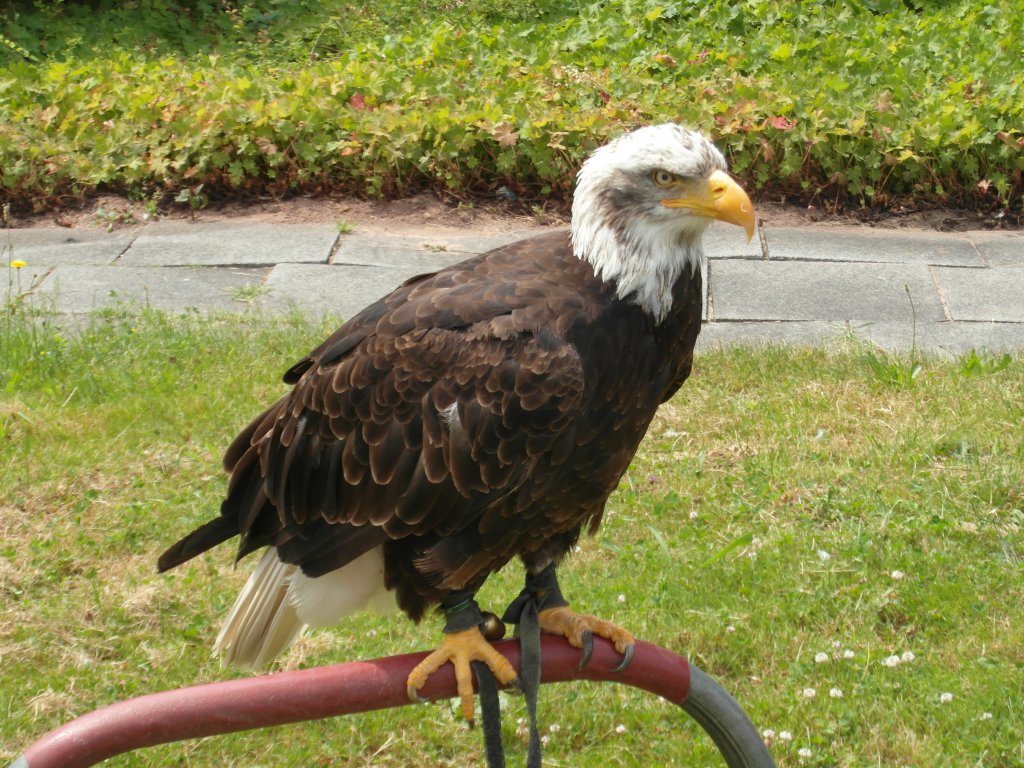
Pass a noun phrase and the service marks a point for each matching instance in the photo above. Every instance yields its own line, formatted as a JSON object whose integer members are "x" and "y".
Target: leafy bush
{"x": 832, "y": 103}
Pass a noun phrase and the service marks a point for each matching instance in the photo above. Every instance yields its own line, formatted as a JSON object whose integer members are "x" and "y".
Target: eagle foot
{"x": 579, "y": 629}
{"x": 461, "y": 649}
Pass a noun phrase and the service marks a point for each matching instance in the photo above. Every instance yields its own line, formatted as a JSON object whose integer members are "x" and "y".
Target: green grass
{"x": 762, "y": 523}
{"x": 879, "y": 103}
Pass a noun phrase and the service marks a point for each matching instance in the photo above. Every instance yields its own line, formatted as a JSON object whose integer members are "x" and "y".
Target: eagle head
{"x": 641, "y": 206}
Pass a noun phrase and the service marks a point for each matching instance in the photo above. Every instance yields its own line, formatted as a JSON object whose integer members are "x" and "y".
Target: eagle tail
{"x": 279, "y": 602}
{"x": 263, "y": 621}
{"x": 205, "y": 537}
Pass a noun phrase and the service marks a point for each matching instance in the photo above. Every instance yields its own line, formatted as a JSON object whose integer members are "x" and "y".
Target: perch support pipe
{"x": 312, "y": 694}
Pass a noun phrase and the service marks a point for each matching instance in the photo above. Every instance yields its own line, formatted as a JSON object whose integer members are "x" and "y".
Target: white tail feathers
{"x": 262, "y": 622}
{"x": 279, "y": 602}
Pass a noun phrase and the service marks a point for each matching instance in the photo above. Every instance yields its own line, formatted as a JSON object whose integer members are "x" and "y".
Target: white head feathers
{"x": 619, "y": 223}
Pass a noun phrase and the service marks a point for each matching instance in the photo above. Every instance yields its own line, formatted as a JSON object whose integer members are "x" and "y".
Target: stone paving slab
{"x": 172, "y": 289}
{"x": 60, "y": 246}
{"x": 400, "y": 258}
{"x": 1000, "y": 249}
{"x": 219, "y": 243}
{"x": 459, "y": 246}
{"x": 780, "y": 290}
{"x": 983, "y": 294}
{"x": 320, "y": 289}
{"x": 856, "y": 244}
{"x": 944, "y": 339}
{"x": 705, "y": 289}
{"x": 727, "y": 334}
{"x": 477, "y": 243}
{"x": 725, "y": 241}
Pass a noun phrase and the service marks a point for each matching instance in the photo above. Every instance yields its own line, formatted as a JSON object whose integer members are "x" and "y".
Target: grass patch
{"x": 793, "y": 521}
{"x": 868, "y": 104}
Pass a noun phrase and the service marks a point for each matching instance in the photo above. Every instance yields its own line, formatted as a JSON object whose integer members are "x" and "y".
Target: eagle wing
{"x": 424, "y": 415}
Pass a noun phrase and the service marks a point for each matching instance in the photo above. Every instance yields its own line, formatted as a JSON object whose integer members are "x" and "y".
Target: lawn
{"x": 880, "y": 104}
{"x": 841, "y": 550}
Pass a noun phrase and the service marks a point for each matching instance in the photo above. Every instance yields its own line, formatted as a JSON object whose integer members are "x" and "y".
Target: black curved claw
{"x": 414, "y": 696}
{"x": 588, "y": 649}
{"x": 515, "y": 687}
{"x": 627, "y": 657}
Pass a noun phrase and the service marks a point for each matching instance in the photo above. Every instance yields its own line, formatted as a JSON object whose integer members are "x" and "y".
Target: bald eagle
{"x": 474, "y": 415}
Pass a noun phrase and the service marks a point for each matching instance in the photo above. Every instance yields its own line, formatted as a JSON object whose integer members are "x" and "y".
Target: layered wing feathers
{"x": 419, "y": 417}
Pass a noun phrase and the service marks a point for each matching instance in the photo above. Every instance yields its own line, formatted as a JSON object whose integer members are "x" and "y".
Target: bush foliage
{"x": 874, "y": 103}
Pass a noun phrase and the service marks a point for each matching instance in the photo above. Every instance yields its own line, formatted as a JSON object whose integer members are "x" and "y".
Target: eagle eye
{"x": 663, "y": 178}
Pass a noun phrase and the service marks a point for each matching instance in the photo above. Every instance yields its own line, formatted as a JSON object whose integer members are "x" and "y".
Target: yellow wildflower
{"x": 18, "y": 264}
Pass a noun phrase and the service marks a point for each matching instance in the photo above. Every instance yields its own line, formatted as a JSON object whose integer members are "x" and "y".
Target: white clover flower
{"x": 620, "y": 728}
{"x": 372, "y": 633}
{"x": 768, "y": 734}
{"x": 808, "y": 693}
{"x": 730, "y": 628}
{"x": 820, "y": 658}
{"x": 785, "y": 736}
{"x": 622, "y": 598}
{"x": 891, "y": 661}
{"x": 835, "y": 693}
{"x": 836, "y": 644}
{"x": 544, "y": 740}
{"x": 693, "y": 514}
{"x": 824, "y": 556}
{"x": 848, "y": 654}
{"x": 896, "y": 575}
{"x": 554, "y": 728}
{"x": 945, "y": 698}
{"x": 907, "y": 657}
{"x": 804, "y": 752}
{"x": 985, "y": 716}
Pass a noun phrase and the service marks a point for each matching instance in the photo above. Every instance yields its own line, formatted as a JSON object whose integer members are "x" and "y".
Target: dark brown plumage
{"x": 528, "y": 344}
{"x": 479, "y": 413}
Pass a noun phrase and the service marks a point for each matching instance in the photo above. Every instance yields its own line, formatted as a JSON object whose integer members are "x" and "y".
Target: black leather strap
{"x": 541, "y": 592}
{"x": 490, "y": 711}
{"x": 461, "y": 612}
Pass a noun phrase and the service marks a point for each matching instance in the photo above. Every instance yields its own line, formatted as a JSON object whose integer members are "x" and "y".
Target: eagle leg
{"x": 556, "y": 618}
{"x": 464, "y": 642}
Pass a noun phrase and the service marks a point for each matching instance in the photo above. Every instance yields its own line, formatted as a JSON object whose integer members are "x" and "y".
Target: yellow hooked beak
{"x": 719, "y": 197}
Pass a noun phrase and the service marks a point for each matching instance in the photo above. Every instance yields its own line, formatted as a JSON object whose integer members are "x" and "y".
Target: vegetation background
{"x": 835, "y": 534}
{"x": 874, "y": 103}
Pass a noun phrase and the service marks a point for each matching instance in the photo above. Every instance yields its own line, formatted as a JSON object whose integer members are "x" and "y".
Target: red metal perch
{"x": 361, "y": 686}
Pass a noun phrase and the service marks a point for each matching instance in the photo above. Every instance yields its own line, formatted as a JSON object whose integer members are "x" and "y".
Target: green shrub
{"x": 869, "y": 105}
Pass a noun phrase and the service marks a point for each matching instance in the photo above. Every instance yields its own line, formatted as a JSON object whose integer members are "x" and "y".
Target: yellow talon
{"x": 578, "y": 629}
{"x": 461, "y": 649}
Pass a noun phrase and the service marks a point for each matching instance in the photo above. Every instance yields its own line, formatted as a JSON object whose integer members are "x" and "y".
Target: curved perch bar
{"x": 312, "y": 694}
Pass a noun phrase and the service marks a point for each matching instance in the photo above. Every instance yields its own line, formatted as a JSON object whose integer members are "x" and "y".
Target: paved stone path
{"x": 789, "y": 285}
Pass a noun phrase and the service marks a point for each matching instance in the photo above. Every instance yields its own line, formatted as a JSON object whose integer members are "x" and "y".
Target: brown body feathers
{"x": 473, "y": 415}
